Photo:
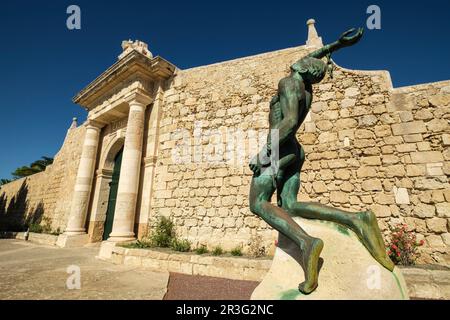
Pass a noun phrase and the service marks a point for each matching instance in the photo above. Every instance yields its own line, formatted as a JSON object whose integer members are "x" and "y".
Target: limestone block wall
{"x": 368, "y": 146}
{"x": 45, "y": 194}
{"x": 208, "y": 199}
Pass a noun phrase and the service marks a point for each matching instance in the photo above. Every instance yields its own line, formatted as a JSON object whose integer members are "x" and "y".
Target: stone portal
{"x": 115, "y": 174}
{"x": 113, "y": 186}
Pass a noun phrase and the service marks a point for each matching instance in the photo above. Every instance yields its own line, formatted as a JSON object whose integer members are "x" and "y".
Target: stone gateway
{"x": 368, "y": 146}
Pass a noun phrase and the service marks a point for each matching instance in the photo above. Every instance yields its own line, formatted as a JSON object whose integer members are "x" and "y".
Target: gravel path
{"x": 187, "y": 287}
{"x": 30, "y": 271}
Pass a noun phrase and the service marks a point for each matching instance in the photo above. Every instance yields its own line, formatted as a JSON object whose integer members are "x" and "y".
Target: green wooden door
{"x": 114, "y": 184}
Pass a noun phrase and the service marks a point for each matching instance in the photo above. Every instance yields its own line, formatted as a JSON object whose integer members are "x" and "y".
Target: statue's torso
{"x": 304, "y": 104}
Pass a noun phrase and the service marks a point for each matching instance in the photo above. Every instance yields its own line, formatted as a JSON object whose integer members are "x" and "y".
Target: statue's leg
{"x": 364, "y": 224}
{"x": 261, "y": 191}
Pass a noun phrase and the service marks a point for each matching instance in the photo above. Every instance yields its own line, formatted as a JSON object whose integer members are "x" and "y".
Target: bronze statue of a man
{"x": 278, "y": 165}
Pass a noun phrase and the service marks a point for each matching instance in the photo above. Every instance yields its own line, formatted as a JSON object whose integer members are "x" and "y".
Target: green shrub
{"x": 237, "y": 252}
{"x": 47, "y": 225}
{"x": 181, "y": 245}
{"x": 163, "y": 234}
{"x": 36, "y": 228}
{"x": 201, "y": 250}
{"x": 138, "y": 244}
{"x": 143, "y": 243}
{"x": 217, "y": 251}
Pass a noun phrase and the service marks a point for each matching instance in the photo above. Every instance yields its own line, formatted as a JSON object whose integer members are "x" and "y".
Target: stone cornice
{"x": 138, "y": 96}
{"x": 93, "y": 124}
{"x": 133, "y": 64}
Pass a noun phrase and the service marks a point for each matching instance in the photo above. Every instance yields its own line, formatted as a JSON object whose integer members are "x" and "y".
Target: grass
{"x": 139, "y": 244}
{"x": 217, "y": 251}
{"x": 237, "y": 252}
{"x": 181, "y": 245}
{"x": 201, "y": 250}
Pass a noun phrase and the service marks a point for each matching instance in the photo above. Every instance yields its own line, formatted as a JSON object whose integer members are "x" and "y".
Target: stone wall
{"x": 368, "y": 146}
{"x": 237, "y": 268}
{"x": 46, "y": 194}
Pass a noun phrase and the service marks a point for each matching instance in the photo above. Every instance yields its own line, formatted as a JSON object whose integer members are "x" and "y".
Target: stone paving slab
{"x": 30, "y": 271}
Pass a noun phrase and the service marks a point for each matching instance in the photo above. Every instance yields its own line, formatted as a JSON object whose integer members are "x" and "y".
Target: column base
{"x": 72, "y": 240}
{"x": 121, "y": 236}
{"x": 120, "y": 239}
{"x": 75, "y": 232}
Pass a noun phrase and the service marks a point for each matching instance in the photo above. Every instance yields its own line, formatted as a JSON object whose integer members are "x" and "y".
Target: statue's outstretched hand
{"x": 346, "y": 40}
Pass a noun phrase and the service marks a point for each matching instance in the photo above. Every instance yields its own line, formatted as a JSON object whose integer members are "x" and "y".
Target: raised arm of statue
{"x": 344, "y": 41}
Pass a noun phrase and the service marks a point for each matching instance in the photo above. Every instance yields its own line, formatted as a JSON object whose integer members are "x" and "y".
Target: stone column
{"x": 150, "y": 160}
{"x": 125, "y": 211}
{"x": 83, "y": 184}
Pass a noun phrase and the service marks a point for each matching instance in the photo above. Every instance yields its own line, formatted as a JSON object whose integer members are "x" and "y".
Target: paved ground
{"x": 30, "y": 271}
{"x": 185, "y": 287}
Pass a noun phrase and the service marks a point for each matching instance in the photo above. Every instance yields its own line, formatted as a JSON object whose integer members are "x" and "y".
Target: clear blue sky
{"x": 43, "y": 64}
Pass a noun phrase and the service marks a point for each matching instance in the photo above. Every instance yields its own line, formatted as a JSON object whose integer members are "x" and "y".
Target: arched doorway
{"x": 114, "y": 184}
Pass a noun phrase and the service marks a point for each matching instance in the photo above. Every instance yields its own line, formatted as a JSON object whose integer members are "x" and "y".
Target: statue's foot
{"x": 311, "y": 266}
{"x": 369, "y": 233}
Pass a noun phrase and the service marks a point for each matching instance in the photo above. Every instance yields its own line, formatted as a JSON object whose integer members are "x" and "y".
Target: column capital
{"x": 92, "y": 124}
{"x": 104, "y": 173}
{"x": 138, "y": 97}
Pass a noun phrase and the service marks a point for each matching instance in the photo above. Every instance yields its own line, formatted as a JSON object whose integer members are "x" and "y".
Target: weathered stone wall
{"x": 46, "y": 194}
{"x": 368, "y": 146}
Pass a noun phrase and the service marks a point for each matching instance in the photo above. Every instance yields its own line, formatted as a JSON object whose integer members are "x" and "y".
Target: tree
{"x": 4, "y": 181}
{"x": 41, "y": 164}
{"x": 35, "y": 167}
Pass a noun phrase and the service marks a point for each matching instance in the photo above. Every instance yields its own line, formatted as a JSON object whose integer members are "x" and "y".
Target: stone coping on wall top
{"x": 40, "y": 238}
{"x": 427, "y": 281}
{"x": 206, "y": 259}
{"x": 236, "y": 268}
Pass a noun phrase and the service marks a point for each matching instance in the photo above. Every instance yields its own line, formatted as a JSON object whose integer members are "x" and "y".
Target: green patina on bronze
{"x": 277, "y": 168}
{"x": 338, "y": 227}
{"x": 398, "y": 285}
{"x": 291, "y": 294}
{"x": 343, "y": 230}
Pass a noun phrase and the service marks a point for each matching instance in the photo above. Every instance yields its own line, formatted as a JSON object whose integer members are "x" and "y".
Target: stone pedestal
{"x": 347, "y": 271}
{"x": 71, "y": 241}
{"x": 106, "y": 249}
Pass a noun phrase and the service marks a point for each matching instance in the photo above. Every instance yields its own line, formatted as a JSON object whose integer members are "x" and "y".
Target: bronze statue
{"x": 278, "y": 165}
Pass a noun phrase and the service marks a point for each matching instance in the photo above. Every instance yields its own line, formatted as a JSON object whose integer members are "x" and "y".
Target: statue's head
{"x": 312, "y": 70}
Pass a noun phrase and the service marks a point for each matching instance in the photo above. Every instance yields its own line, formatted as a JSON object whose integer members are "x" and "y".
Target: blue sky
{"x": 43, "y": 64}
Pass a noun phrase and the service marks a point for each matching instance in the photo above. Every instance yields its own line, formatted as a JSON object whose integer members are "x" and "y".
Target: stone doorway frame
{"x": 124, "y": 90}
{"x": 102, "y": 187}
